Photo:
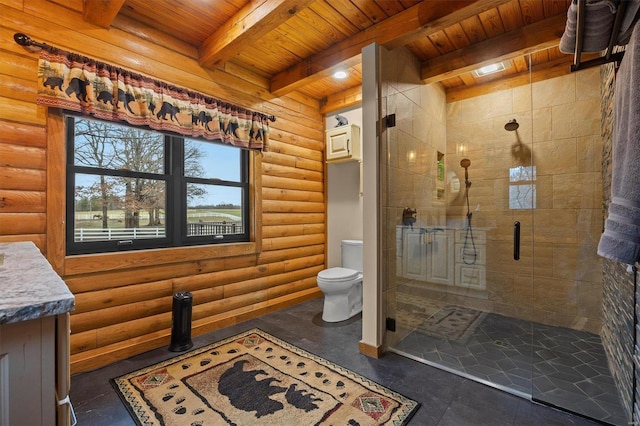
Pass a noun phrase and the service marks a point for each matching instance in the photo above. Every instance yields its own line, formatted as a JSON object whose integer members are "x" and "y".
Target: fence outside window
{"x": 193, "y": 229}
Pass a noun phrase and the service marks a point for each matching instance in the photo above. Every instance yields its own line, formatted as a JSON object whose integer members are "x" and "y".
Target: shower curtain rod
{"x": 26, "y": 41}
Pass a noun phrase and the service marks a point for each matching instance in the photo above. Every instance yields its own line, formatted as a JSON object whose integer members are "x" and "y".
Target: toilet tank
{"x": 351, "y": 251}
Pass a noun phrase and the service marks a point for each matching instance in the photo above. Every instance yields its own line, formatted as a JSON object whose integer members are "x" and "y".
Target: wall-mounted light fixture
{"x": 411, "y": 157}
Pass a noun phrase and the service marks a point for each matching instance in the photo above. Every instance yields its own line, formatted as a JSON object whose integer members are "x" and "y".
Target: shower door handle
{"x": 516, "y": 240}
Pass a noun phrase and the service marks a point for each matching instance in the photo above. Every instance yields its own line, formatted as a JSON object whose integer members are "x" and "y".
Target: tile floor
{"x": 559, "y": 366}
{"x": 446, "y": 399}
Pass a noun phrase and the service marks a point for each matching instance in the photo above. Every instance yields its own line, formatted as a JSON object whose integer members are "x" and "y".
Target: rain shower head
{"x": 511, "y": 125}
{"x": 520, "y": 152}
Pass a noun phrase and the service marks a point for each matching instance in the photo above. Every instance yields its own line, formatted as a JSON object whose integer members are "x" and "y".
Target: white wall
{"x": 344, "y": 210}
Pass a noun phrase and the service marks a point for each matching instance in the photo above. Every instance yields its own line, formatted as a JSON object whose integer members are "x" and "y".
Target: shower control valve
{"x": 409, "y": 216}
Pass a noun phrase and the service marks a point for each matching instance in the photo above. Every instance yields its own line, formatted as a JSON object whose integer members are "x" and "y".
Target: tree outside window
{"x": 135, "y": 188}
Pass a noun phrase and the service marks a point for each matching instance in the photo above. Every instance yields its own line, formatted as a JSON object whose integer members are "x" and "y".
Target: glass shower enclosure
{"x": 492, "y": 211}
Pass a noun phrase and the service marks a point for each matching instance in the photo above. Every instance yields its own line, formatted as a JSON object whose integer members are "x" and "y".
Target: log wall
{"x": 124, "y": 301}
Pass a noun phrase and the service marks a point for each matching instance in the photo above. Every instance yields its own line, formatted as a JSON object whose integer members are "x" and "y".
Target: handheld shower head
{"x": 465, "y": 162}
{"x": 511, "y": 125}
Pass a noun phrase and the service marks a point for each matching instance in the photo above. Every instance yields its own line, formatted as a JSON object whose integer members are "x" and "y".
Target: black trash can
{"x": 181, "y": 322}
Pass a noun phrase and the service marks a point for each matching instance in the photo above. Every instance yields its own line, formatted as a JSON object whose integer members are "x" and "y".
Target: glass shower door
{"x": 492, "y": 209}
{"x": 459, "y": 188}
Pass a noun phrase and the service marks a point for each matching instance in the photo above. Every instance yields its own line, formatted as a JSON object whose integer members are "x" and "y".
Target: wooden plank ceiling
{"x": 296, "y": 45}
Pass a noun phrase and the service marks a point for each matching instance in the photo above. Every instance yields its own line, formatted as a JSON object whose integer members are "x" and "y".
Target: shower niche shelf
{"x": 439, "y": 193}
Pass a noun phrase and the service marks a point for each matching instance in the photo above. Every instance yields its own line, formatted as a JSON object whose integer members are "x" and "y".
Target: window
{"x": 130, "y": 188}
{"x": 522, "y": 187}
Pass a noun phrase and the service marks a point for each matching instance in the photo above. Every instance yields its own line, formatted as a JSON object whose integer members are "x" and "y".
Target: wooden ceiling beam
{"x": 101, "y": 13}
{"x": 415, "y": 22}
{"x": 341, "y": 100}
{"x": 544, "y": 71}
{"x": 540, "y": 35}
{"x": 254, "y": 20}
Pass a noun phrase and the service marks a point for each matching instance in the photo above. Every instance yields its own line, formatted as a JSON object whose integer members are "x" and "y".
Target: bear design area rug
{"x": 254, "y": 378}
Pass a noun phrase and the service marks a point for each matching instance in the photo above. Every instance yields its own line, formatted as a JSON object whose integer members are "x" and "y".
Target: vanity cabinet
{"x": 27, "y": 372}
{"x": 343, "y": 144}
{"x": 399, "y": 251}
{"x": 414, "y": 255}
{"x": 442, "y": 256}
{"x": 34, "y": 339}
{"x": 427, "y": 255}
{"x": 440, "y": 259}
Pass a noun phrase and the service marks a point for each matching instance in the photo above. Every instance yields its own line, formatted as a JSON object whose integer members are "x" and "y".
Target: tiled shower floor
{"x": 558, "y": 366}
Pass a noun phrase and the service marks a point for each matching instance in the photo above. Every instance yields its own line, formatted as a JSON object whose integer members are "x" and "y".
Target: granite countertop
{"x": 29, "y": 287}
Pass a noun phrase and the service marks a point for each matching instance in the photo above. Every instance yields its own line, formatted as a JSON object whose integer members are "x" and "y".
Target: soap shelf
{"x": 440, "y": 187}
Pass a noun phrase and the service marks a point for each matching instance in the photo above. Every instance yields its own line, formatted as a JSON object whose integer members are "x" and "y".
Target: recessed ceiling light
{"x": 489, "y": 69}
{"x": 340, "y": 75}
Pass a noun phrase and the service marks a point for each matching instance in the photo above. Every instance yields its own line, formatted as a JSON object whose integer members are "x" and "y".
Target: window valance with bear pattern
{"x": 76, "y": 83}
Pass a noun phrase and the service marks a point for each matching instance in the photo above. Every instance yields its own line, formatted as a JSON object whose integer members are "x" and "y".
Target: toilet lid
{"x": 338, "y": 274}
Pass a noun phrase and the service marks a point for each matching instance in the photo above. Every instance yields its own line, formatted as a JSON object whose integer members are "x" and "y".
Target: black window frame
{"x": 176, "y": 196}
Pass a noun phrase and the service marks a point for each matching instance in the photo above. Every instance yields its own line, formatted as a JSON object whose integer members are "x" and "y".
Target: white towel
{"x": 599, "y": 16}
{"x": 621, "y": 238}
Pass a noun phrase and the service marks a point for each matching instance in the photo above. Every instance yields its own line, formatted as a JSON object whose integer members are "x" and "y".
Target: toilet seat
{"x": 338, "y": 274}
{"x": 342, "y": 285}
{"x": 342, "y": 288}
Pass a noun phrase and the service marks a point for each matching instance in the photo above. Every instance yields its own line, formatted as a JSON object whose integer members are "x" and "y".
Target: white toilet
{"x": 342, "y": 286}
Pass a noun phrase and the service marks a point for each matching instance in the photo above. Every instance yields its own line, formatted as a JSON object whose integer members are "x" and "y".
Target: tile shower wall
{"x": 408, "y": 154}
{"x": 618, "y": 298}
{"x": 560, "y": 123}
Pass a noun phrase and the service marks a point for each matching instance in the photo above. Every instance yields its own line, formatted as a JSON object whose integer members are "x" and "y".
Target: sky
{"x": 223, "y": 163}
